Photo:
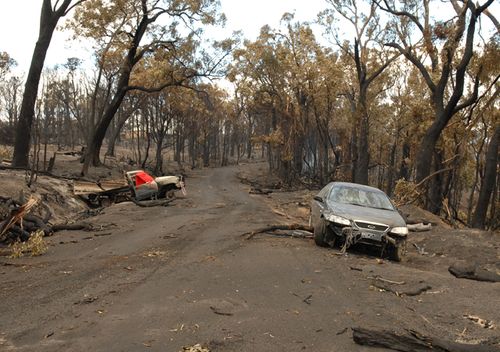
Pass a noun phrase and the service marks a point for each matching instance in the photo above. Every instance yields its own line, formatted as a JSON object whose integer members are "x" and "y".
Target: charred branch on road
{"x": 271, "y": 228}
{"x": 412, "y": 341}
{"x": 473, "y": 272}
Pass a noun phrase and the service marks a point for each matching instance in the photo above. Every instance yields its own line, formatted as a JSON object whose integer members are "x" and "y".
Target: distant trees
{"x": 150, "y": 58}
{"x": 9, "y": 98}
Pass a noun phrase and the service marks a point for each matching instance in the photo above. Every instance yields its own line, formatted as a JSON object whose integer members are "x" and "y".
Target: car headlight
{"x": 403, "y": 230}
{"x": 337, "y": 219}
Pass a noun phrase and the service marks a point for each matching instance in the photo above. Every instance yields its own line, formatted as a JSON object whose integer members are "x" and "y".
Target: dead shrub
{"x": 407, "y": 192}
{"x": 36, "y": 246}
{"x": 5, "y": 153}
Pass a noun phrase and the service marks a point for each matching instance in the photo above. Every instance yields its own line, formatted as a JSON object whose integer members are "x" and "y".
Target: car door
{"x": 318, "y": 204}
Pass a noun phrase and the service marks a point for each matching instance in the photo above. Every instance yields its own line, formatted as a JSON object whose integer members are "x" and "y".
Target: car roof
{"x": 355, "y": 185}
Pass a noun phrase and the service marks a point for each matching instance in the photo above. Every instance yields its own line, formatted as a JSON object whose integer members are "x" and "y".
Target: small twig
{"x": 386, "y": 280}
{"x": 421, "y": 251}
{"x": 307, "y": 300}
{"x": 103, "y": 234}
{"x": 218, "y": 312}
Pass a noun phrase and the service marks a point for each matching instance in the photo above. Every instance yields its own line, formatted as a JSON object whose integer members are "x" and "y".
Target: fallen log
{"x": 38, "y": 223}
{"x": 19, "y": 234}
{"x": 72, "y": 227}
{"x": 473, "y": 272}
{"x": 260, "y": 191}
{"x": 414, "y": 342}
{"x": 9, "y": 201}
{"x": 271, "y": 228}
{"x": 151, "y": 203}
{"x": 420, "y": 227}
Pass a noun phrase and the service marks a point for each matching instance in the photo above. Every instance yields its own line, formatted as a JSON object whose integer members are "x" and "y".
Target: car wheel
{"x": 319, "y": 233}
{"x": 399, "y": 251}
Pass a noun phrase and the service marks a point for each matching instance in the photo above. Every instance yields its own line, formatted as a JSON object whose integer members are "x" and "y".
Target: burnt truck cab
{"x": 144, "y": 186}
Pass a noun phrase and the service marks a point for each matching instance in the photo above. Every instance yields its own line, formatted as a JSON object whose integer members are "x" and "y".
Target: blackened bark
{"x": 363, "y": 152}
{"x": 353, "y": 151}
{"x": 392, "y": 166}
{"x": 488, "y": 182}
{"x": 158, "y": 155}
{"x": 116, "y": 134}
{"x": 148, "y": 146}
{"x": 435, "y": 196}
{"x": 404, "y": 170}
{"x": 427, "y": 146}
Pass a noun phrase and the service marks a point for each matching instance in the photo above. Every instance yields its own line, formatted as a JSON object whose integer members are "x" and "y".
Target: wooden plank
{"x": 85, "y": 187}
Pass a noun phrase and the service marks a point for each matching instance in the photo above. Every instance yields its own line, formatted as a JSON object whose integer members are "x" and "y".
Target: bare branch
{"x": 493, "y": 19}
{"x": 55, "y": 6}
{"x": 381, "y": 68}
{"x": 73, "y": 6}
{"x": 413, "y": 18}
{"x": 473, "y": 99}
{"x": 483, "y": 7}
{"x": 413, "y": 59}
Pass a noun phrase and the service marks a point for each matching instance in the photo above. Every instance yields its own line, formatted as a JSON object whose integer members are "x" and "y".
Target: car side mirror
{"x": 318, "y": 198}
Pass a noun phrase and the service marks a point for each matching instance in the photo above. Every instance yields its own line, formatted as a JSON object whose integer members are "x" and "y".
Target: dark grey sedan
{"x": 348, "y": 213}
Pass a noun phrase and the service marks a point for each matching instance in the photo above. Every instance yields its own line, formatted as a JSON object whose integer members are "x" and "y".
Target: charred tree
{"x": 488, "y": 182}
{"x": 48, "y": 21}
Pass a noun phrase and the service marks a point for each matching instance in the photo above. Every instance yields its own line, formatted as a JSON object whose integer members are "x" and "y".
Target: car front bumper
{"x": 355, "y": 235}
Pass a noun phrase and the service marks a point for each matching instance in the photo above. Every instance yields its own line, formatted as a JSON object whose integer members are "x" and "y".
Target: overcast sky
{"x": 19, "y": 20}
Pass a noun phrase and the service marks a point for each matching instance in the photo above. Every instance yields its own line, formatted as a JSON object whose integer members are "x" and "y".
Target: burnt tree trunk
{"x": 428, "y": 145}
{"x": 404, "y": 169}
{"x": 392, "y": 166}
{"x": 145, "y": 121}
{"x": 116, "y": 134}
{"x": 435, "y": 196}
{"x": 360, "y": 174}
{"x": 94, "y": 147}
{"x": 48, "y": 22}
{"x": 363, "y": 151}
{"x": 488, "y": 182}
{"x": 158, "y": 155}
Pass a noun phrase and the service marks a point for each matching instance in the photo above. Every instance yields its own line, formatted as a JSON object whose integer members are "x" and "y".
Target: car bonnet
{"x": 355, "y": 212}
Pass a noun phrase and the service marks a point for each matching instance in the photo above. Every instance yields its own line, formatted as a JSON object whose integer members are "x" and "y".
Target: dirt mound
{"x": 415, "y": 215}
{"x": 53, "y": 195}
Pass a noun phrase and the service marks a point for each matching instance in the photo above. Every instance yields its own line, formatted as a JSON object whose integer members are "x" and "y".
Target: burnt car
{"x": 348, "y": 213}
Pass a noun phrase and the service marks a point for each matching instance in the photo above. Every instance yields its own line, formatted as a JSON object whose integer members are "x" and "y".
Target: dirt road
{"x": 169, "y": 277}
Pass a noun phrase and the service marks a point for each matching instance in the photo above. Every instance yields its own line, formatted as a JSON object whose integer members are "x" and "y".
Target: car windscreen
{"x": 361, "y": 197}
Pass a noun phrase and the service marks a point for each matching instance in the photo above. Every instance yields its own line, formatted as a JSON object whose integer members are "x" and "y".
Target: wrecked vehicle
{"x": 348, "y": 213}
{"x": 138, "y": 184}
{"x": 144, "y": 186}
